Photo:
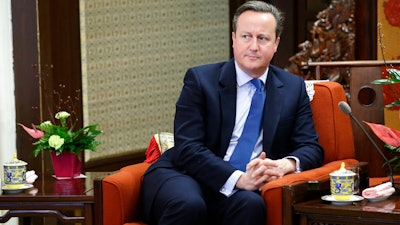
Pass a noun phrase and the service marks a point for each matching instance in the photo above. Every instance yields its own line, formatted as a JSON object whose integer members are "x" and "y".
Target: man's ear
{"x": 233, "y": 38}
{"x": 278, "y": 39}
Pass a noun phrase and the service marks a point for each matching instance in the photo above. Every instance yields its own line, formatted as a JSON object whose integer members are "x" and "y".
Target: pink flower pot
{"x": 66, "y": 165}
{"x": 68, "y": 187}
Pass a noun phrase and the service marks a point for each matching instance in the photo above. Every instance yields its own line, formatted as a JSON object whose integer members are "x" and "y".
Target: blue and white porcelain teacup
{"x": 342, "y": 183}
{"x": 15, "y": 173}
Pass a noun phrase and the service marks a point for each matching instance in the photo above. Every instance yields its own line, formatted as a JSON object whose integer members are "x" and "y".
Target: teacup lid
{"x": 15, "y": 162}
{"x": 342, "y": 171}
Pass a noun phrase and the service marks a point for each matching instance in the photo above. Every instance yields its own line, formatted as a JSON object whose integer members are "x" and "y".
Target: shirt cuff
{"x": 298, "y": 168}
{"x": 229, "y": 187}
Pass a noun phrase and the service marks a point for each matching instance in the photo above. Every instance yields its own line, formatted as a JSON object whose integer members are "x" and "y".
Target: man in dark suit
{"x": 196, "y": 182}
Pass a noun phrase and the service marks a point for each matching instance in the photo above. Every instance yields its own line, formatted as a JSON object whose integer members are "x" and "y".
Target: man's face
{"x": 255, "y": 42}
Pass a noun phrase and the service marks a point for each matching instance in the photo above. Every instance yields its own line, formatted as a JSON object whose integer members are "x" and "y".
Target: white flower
{"x": 62, "y": 115}
{"x": 45, "y": 123}
{"x": 56, "y": 141}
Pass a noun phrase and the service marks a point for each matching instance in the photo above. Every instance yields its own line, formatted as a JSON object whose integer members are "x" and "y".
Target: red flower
{"x": 35, "y": 133}
{"x": 388, "y": 135}
{"x": 392, "y": 12}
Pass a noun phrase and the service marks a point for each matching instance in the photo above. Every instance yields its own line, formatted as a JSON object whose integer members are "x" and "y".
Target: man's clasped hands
{"x": 262, "y": 170}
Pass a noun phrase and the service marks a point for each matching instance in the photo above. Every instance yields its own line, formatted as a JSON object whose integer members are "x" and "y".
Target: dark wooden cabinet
{"x": 51, "y": 201}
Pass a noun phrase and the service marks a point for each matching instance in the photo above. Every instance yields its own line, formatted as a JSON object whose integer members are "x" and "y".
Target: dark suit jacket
{"x": 205, "y": 117}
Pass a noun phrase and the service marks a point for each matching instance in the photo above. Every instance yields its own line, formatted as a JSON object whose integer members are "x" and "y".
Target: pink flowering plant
{"x": 390, "y": 136}
{"x": 60, "y": 138}
{"x": 59, "y": 133}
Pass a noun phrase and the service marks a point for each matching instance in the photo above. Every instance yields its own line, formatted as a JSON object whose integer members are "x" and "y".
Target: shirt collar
{"x": 242, "y": 78}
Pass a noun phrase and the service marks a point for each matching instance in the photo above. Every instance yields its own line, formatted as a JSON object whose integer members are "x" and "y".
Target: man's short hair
{"x": 259, "y": 6}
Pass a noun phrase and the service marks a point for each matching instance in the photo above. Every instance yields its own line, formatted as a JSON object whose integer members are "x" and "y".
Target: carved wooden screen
{"x": 332, "y": 39}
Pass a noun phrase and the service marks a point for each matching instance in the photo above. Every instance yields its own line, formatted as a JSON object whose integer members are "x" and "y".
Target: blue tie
{"x": 251, "y": 130}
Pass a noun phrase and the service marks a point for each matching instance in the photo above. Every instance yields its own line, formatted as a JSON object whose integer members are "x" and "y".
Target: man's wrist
{"x": 229, "y": 187}
{"x": 295, "y": 162}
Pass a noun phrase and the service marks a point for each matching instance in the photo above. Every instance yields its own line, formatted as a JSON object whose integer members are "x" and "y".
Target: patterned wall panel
{"x": 389, "y": 20}
{"x": 134, "y": 56}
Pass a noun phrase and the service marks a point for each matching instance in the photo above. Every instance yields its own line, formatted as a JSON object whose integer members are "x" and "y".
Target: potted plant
{"x": 390, "y": 136}
{"x": 64, "y": 143}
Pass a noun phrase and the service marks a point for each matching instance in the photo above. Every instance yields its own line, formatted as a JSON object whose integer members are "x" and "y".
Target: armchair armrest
{"x": 121, "y": 195}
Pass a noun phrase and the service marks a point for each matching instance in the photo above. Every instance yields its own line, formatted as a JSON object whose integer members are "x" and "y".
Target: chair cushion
{"x": 333, "y": 126}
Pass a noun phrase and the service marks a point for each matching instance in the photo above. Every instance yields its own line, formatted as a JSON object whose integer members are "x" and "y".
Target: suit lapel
{"x": 272, "y": 108}
{"x": 227, "y": 93}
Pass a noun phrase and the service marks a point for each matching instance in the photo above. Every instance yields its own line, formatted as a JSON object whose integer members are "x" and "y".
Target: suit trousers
{"x": 181, "y": 200}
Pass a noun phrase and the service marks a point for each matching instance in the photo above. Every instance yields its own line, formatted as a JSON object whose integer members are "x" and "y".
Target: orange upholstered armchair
{"x": 120, "y": 192}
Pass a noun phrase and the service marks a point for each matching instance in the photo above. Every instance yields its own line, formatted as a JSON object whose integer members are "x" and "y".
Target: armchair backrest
{"x": 333, "y": 126}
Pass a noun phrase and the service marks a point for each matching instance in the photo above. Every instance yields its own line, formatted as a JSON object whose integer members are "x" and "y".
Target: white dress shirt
{"x": 245, "y": 92}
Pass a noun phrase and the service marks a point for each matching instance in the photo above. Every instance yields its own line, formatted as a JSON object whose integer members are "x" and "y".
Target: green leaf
{"x": 382, "y": 81}
{"x": 393, "y": 104}
{"x": 395, "y": 74}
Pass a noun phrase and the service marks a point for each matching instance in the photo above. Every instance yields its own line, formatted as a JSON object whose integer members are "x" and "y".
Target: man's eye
{"x": 262, "y": 39}
{"x": 246, "y": 37}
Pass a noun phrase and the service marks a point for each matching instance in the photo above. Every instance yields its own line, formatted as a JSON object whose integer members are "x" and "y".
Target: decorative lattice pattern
{"x": 134, "y": 56}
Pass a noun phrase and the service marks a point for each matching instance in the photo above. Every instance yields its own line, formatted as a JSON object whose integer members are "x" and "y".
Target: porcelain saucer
{"x": 16, "y": 190}
{"x": 353, "y": 198}
{"x": 378, "y": 199}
